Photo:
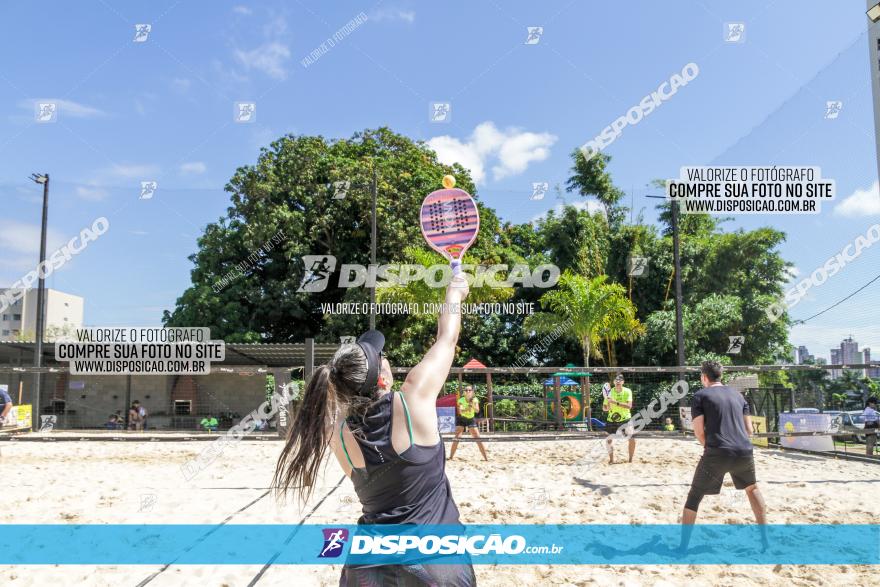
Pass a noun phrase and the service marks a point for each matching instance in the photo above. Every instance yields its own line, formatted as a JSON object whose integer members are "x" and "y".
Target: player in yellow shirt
{"x": 468, "y": 408}
{"x": 618, "y": 403}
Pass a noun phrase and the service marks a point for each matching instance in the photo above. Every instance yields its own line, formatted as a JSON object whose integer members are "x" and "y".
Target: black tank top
{"x": 409, "y": 488}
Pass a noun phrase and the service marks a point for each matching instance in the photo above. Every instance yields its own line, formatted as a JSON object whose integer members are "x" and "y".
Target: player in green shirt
{"x": 209, "y": 423}
{"x": 618, "y": 403}
{"x": 468, "y": 408}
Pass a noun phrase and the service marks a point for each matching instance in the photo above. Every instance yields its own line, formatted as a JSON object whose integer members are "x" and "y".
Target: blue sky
{"x": 163, "y": 110}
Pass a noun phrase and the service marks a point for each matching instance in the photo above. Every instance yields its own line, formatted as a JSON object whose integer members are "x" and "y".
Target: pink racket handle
{"x": 456, "y": 267}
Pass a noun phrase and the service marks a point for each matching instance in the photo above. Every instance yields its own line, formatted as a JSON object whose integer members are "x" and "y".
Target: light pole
{"x": 374, "y": 195}
{"x": 374, "y": 190}
{"x": 41, "y": 301}
{"x": 873, "y": 14}
{"x": 676, "y": 261}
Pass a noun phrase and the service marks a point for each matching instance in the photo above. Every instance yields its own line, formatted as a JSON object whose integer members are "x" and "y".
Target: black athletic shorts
{"x": 613, "y": 427}
{"x": 465, "y": 422}
{"x": 710, "y": 472}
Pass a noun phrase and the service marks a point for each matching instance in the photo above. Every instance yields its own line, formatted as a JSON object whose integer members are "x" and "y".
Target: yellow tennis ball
{"x": 448, "y": 182}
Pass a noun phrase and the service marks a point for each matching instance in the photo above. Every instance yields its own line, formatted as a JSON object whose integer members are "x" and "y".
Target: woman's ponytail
{"x": 307, "y": 438}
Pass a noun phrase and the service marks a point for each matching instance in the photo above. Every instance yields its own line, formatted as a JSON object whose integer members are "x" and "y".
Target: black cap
{"x": 371, "y": 342}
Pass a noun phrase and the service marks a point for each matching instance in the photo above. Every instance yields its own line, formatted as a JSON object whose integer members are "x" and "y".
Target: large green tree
{"x": 590, "y": 311}
{"x": 291, "y": 189}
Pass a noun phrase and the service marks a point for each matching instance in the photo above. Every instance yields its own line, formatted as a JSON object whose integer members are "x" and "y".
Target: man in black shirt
{"x": 722, "y": 424}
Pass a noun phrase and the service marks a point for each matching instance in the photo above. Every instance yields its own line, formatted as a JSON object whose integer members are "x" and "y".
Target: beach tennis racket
{"x": 450, "y": 222}
{"x": 606, "y": 393}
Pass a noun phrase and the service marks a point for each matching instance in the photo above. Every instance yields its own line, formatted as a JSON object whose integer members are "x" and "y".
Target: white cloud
{"x": 193, "y": 167}
{"x": 592, "y": 206}
{"x": 407, "y": 16}
{"x": 860, "y": 203}
{"x": 240, "y": 9}
{"x": 94, "y": 189}
{"x": 512, "y": 150}
{"x": 268, "y": 58}
{"x": 66, "y": 108}
{"x": 20, "y": 244}
{"x": 129, "y": 171}
{"x": 181, "y": 84}
{"x": 92, "y": 193}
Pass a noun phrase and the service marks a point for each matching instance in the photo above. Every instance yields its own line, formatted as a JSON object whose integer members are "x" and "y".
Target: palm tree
{"x": 589, "y": 310}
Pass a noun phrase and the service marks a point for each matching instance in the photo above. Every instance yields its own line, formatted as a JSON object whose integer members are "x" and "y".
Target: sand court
{"x": 524, "y": 482}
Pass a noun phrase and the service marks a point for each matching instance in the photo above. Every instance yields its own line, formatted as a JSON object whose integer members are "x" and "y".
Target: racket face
{"x": 450, "y": 222}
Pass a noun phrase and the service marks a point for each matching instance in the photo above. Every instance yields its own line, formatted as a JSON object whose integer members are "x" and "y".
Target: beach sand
{"x": 536, "y": 482}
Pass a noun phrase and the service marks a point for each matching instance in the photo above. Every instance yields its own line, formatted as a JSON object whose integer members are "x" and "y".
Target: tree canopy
{"x": 246, "y": 291}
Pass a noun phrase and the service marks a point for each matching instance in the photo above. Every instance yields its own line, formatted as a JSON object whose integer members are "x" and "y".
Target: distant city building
{"x": 802, "y": 356}
{"x": 849, "y": 354}
{"x": 63, "y": 313}
{"x": 835, "y": 360}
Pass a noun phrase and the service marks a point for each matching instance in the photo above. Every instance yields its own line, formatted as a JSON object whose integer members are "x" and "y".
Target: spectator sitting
{"x": 209, "y": 423}
{"x": 112, "y": 422}
{"x": 669, "y": 426}
{"x": 134, "y": 416}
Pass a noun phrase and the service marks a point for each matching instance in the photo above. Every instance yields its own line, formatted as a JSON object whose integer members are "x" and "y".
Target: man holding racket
{"x": 468, "y": 409}
{"x": 618, "y": 403}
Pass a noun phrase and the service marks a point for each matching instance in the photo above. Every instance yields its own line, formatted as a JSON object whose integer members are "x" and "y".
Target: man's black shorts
{"x": 465, "y": 422}
{"x": 613, "y": 427}
{"x": 710, "y": 472}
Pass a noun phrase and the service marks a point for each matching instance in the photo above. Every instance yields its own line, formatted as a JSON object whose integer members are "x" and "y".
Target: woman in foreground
{"x": 387, "y": 443}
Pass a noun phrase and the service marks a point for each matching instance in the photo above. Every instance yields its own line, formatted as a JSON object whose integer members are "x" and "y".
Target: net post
{"x": 283, "y": 419}
{"x": 490, "y": 401}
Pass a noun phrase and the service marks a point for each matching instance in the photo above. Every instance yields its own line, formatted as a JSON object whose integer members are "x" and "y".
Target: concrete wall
{"x": 89, "y": 400}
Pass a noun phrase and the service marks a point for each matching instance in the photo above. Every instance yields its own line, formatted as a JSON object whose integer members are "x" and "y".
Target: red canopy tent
{"x": 474, "y": 364}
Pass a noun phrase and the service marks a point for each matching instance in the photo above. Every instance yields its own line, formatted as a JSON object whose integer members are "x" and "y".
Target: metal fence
{"x": 511, "y": 399}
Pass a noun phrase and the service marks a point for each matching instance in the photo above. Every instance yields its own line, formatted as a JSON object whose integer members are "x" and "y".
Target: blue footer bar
{"x": 848, "y": 544}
